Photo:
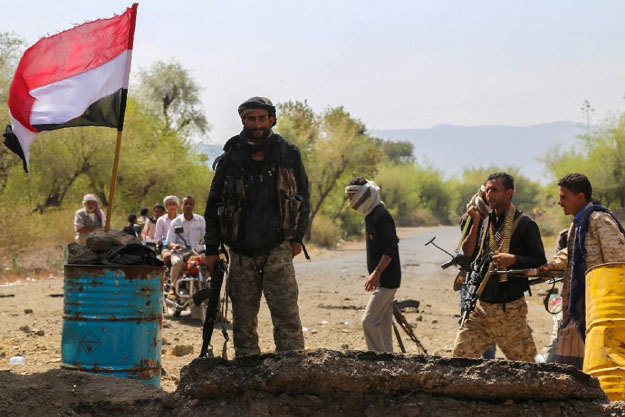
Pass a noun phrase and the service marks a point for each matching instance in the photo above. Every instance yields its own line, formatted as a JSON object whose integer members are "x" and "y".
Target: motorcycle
{"x": 194, "y": 278}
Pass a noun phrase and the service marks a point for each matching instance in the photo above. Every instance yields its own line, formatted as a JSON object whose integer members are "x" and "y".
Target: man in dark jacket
{"x": 382, "y": 262}
{"x": 259, "y": 206}
{"x": 501, "y": 312}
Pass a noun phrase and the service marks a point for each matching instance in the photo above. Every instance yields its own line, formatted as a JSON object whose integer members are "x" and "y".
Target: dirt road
{"x": 332, "y": 299}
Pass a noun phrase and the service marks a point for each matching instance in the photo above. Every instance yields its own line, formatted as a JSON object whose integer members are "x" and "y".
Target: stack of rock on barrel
{"x": 113, "y": 308}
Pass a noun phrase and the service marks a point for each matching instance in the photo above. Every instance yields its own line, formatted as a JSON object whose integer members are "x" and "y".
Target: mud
{"x": 319, "y": 383}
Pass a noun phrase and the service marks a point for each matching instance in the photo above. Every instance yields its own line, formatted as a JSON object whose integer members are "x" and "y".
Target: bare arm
{"x": 373, "y": 281}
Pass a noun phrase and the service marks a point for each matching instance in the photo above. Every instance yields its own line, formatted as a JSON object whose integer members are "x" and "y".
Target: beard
{"x": 255, "y": 144}
{"x": 250, "y": 137}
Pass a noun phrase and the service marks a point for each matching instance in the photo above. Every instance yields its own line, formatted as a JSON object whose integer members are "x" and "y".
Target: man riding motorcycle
{"x": 186, "y": 230}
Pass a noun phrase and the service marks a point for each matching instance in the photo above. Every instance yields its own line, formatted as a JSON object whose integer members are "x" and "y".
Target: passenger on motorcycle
{"x": 193, "y": 226}
{"x": 150, "y": 227}
{"x": 171, "y": 203}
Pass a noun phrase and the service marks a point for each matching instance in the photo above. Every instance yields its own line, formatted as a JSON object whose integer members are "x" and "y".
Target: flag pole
{"x": 109, "y": 209}
{"x": 120, "y": 128}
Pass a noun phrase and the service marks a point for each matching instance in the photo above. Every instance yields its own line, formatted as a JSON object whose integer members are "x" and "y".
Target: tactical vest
{"x": 279, "y": 164}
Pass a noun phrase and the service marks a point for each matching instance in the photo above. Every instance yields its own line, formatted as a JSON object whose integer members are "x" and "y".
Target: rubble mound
{"x": 317, "y": 384}
{"x": 351, "y": 383}
{"x": 67, "y": 393}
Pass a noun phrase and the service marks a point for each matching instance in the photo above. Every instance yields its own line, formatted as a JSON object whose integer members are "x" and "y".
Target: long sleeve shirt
{"x": 604, "y": 243}
{"x": 527, "y": 245}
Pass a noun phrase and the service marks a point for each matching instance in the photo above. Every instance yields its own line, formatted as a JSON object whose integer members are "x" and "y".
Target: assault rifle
{"x": 457, "y": 259}
{"x": 481, "y": 272}
{"x": 538, "y": 277}
{"x": 212, "y": 308}
{"x": 406, "y": 327}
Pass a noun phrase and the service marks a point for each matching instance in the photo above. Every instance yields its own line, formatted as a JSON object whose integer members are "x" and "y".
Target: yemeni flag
{"x": 78, "y": 77}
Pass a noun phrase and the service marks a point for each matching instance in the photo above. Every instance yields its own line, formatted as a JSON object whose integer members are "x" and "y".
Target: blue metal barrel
{"x": 112, "y": 321}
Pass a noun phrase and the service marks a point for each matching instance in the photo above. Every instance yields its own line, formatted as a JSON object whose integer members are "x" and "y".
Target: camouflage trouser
{"x": 280, "y": 288}
{"x": 490, "y": 323}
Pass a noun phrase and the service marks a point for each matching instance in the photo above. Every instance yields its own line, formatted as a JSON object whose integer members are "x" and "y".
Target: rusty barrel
{"x": 112, "y": 320}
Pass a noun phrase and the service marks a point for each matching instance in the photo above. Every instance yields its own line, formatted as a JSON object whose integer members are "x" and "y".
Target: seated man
{"x": 150, "y": 227}
{"x": 171, "y": 203}
{"x": 130, "y": 229}
{"x": 193, "y": 226}
{"x": 88, "y": 219}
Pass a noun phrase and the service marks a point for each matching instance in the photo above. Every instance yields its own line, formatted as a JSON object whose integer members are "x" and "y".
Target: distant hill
{"x": 451, "y": 148}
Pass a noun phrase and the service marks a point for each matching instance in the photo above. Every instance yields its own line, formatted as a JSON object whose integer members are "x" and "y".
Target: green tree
{"x": 11, "y": 48}
{"x": 398, "y": 151}
{"x": 335, "y": 147}
{"x": 168, "y": 92}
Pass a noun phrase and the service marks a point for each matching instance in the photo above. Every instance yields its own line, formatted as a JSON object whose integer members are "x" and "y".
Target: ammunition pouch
{"x": 230, "y": 211}
{"x": 290, "y": 206}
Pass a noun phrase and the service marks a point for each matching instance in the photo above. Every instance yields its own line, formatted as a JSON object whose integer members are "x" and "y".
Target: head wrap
{"x": 257, "y": 103}
{"x": 366, "y": 197}
{"x": 171, "y": 198}
{"x": 89, "y": 197}
{"x": 479, "y": 201}
{"x": 98, "y": 212}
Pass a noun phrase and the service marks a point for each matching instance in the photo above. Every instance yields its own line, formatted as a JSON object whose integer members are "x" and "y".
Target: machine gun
{"x": 212, "y": 308}
{"x": 457, "y": 259}
{"x": 406, "y": 327}
{"x": 481, "y": 272}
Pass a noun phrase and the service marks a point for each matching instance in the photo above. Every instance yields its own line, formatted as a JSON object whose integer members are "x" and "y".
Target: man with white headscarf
{"x": 88, "y": 219}
{"x": 382, "y": 262}
{"x": 171, "y": 203}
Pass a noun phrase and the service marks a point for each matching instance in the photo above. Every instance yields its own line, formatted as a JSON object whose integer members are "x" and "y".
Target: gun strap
{"x": 306, "y": 255}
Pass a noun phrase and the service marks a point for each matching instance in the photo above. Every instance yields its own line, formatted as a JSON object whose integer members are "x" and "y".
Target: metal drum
{"x": 112, "y": 321}
{"x": 604, "y": 354}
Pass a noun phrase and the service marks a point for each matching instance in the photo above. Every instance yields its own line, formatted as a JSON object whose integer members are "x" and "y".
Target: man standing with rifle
{"x": 258, "y": 206}
{"x": 504, "y": 239}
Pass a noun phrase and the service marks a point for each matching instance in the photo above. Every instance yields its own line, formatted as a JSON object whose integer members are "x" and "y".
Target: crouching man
{"x": 382, "y": 262}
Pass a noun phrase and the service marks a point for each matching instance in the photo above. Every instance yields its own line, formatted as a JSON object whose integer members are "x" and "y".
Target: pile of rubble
{"x": 321, "y": 383}
{"x": 110, "y": 248}
{"x": 330, "y": 383}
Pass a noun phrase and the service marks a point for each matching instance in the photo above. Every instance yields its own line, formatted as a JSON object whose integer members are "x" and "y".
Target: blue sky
{"x": 393, "y": 64}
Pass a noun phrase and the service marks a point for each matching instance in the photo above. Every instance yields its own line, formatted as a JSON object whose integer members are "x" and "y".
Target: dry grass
{"x": 33, "y": 243}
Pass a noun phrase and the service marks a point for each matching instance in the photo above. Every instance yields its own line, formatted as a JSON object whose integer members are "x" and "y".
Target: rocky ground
{"x": 332, "y": 299}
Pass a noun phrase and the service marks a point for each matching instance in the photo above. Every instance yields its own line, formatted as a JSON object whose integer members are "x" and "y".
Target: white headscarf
{"x": 171, "y": 198}
{"x": 366, "y": 197}
{"x": 98, "y": 211}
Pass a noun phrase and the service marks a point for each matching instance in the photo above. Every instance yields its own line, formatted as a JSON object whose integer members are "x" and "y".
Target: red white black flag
{"x": 78, "y": 77}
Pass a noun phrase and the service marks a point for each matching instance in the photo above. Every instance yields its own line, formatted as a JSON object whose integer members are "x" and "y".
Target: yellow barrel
{"x": 604, "y": 354}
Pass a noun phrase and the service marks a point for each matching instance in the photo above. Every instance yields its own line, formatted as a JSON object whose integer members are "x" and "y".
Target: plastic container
{"x": 17, "y": 360}
{"x": 604, "y": 353}
{"x": 112, "y": 321}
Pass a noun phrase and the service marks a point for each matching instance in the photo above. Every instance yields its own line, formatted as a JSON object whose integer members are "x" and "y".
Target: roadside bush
{"x": 325, "y": 232}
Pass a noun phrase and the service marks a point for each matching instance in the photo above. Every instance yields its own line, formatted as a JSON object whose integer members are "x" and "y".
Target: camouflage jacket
{"x": 604, "y": 243}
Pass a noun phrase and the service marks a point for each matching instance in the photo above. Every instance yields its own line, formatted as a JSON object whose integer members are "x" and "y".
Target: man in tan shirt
{"x": 603, "y": 242}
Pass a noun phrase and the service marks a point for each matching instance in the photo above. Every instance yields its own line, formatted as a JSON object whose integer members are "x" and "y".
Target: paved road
{"x": 332, "y": 290}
